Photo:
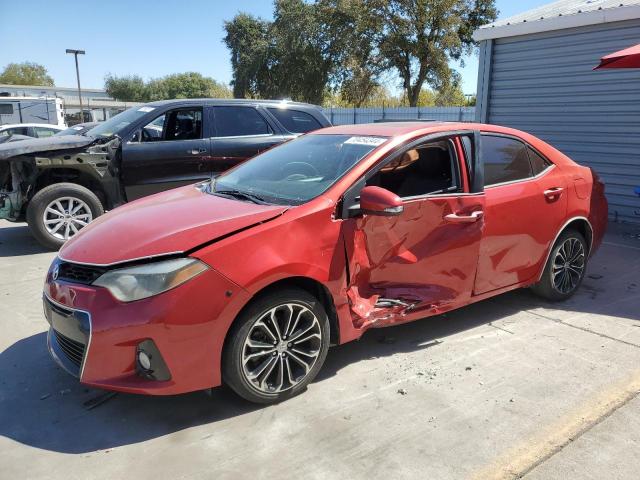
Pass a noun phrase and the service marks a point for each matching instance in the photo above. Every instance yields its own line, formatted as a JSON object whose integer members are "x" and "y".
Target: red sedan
{"x": 248, "y": 278}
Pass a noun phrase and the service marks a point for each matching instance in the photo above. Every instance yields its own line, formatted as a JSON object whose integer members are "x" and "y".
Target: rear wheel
{"x": 565, "y": 268}
{"x": 277, "y": 346}
{"x": 57, "y": 212}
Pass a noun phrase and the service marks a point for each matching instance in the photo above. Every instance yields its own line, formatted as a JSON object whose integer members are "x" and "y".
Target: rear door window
{"x": 538, "y": 163}
{"x": 239, "y": 122}
{"x": 505, "y": 160}
{"x": 295, "y": 121}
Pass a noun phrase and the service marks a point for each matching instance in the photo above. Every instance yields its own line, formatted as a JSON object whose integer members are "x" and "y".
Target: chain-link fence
{"x": 346, "y": 116}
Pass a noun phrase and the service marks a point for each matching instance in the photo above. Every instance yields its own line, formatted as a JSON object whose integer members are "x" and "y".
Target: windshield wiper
{"x": 240, "y": 194}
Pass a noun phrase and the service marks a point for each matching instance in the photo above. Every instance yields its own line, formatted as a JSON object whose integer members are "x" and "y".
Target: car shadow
{"x": 42, "y": 406}
{"x": 16, "y": 240}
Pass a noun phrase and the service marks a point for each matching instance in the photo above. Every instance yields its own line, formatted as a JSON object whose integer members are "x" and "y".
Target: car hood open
{"x": 35, "y": 145}
{"x": 171, "y": 222}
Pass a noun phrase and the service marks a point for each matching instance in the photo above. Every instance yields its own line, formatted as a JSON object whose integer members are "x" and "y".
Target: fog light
{"x": 144, "y": 360}
{"x": 149, "y": 362}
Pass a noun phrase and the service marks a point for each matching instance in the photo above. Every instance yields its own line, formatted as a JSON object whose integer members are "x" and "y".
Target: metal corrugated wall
{"x": 544, "y": 84}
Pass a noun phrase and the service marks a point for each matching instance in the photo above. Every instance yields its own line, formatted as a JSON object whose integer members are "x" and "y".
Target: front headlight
{"x": 135, "y": 283}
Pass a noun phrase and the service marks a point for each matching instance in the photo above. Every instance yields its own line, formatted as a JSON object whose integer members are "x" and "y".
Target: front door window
{"x": 182, "y": 124}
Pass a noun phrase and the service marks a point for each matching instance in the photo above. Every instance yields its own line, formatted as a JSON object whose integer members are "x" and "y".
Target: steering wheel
{"x": 296, "y": 174}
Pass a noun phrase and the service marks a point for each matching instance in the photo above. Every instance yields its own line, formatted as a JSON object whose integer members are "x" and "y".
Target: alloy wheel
{"x": 281, "y": 348}
{"x": 65, "y": 216}
{"x": 568, "y": 265}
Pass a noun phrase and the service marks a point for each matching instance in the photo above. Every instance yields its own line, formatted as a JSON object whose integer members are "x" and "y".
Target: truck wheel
{"x": 57, "y": 212}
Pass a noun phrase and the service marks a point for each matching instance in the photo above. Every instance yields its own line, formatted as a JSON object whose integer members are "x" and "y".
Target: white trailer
{"x": 32, "y": 110}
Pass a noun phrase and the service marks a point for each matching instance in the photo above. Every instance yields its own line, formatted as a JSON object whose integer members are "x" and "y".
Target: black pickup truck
{"x": 61, "y": 183}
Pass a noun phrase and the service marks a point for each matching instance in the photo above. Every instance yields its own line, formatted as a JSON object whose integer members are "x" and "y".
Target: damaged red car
{"x": 248, "y": 278}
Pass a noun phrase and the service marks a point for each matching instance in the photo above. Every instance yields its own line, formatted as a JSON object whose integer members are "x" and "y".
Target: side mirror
{"x": 379, "y": 201}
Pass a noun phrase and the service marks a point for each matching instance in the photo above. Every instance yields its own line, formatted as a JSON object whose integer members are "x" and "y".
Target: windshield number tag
{"x": 369, "y": 141}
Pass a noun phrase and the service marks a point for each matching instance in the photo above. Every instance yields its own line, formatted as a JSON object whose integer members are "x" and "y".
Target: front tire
{"x": 276, "y": 347}
{"x": 565, "y": 268}
{"x": 57, "y": 212}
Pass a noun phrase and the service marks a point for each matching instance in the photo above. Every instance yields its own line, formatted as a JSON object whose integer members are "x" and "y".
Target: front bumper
{"x": 95, "y": 337}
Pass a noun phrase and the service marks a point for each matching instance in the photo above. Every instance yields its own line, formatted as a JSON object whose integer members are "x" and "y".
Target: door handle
{"x": 554, "y": 193}
{"x": 455, "y": 218}
{"x": 197, "y": 151}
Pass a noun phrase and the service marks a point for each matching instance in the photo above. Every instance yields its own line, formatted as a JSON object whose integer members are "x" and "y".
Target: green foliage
{"x": 421, "y": 36}
{"x": 291, "y": 57}
{"x": 127, "y": 89}
{"x": 248, "y": 40}
{"x": 178, "y": 85}
{"x": 379, "y": 96}
{"x": 449, "y": 95}
{"x": 354, "y": 34}
{"x": 338, "y": 50}
{"x": 26, "y": 73}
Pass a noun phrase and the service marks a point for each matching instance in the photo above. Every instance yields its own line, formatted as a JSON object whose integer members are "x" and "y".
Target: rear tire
{"x": 59, "y": 211}
{"x": 266, "y": 362}
{"x": 565, "y": 268}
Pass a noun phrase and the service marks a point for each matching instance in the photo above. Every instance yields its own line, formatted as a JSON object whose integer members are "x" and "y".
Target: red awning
{"x": 627, "y": 58}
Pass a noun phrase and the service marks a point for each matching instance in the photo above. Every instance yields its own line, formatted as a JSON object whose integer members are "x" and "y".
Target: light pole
{"x": 75, "y": 54}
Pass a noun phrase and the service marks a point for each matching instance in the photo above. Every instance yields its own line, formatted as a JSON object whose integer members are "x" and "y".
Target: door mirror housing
{"x": 380, "y": 201}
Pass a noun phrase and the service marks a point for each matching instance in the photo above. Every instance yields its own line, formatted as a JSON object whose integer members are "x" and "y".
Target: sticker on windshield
{"x": 370, "y": 141}
{"x": 78, "y": 128}
{"x": 146, "y": 109}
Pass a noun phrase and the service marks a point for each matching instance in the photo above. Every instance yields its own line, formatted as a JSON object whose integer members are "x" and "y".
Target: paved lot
{"x": 505, "y": 388}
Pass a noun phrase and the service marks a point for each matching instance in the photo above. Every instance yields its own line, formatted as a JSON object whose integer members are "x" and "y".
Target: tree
{"x": 186, "y": 85}
{"x": 178, "y": 85}
{"x": 291, "y": 57}
{"x": 450, "y": 94}
{"x": 26, "y": 73}
{"x": 303, "y": 53}
{"x": 354, "y": 35}
{"x": 126, "y": 89}
{"x": 313, "y": 49}
{"x": 248, "y": 40}
{"x": 421, "y": 36}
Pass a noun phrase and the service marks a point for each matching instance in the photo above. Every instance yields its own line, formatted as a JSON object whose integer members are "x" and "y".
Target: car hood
{"x": 171, "y": 222}
{"x": 34, "y": 145}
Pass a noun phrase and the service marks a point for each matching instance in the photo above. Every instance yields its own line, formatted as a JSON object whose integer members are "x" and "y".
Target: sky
{"x": 147, "y": 38}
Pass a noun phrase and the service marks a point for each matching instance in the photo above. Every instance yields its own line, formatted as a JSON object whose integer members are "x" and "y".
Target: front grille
{"x": 72, "y": 349}
{"x": 74, "y": 273}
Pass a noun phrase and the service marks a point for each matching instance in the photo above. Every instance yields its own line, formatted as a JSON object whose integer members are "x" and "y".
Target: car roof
{"x": 231, "y": 101}
{"x": 13, "y": 125}
{"x": 398, "y": 129}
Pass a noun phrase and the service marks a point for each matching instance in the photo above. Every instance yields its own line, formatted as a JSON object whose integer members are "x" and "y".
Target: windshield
{"x": 120, "y": 121}
{"x": 298, "y": 170}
